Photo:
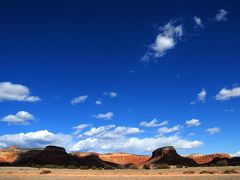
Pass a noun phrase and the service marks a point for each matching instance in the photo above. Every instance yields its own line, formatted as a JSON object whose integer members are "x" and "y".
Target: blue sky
{"x": 162, "y": 73}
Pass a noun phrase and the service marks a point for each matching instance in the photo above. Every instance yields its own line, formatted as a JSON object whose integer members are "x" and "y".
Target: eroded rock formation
{"x": 53, "y": 155}
{"x": 202, "y": 159}
{"x": 168, "y": 155}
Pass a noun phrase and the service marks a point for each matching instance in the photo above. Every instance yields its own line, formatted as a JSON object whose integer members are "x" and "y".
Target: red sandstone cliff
{"x": 119, "y": 158}
{"x": 10, "y": 154}
{"x": 202, "y": 159}
{"x": 162, "y": 155}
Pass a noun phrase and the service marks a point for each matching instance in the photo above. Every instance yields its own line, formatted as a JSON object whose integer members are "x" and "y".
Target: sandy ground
{"x": 23, "y": 173}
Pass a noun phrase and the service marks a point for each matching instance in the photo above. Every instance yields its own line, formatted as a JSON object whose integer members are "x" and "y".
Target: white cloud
{"x": 98, "y": 130}
{"x": 80, "y": 99}
{"x": 213, "y": 130}
{"x": 98, "y": 102}
{"x": 106, "y": 116}
{"x": 237, "y": 154}
{"x": 110, "y": 138}
{"x": 193, "y": 122}
{"x": 113, "y": 138}
{"x": 36, "y": 139}
{"x": 111, "y": 131}
{"x": 226, "y": 94}
{"x": 191, "y": 134}
{"x": 133, "y": 144}
{"x": 20, "y": 118}
{"x": 198, "y": 22}
{"x": 221, "y": 15}
{"x": 165, "y": 130}
{"x": 229, "y": 110}
{"x": 78, "y": 129}
{"x": 111, "y": 94}
{"x": 153, "y": 123}
{"x": 15, "y": 92}
{"x": 167, "y": 39}
{"x": 201, "y": 97}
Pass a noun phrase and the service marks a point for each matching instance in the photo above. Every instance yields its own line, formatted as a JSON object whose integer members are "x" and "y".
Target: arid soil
{"x": 178, "y": 174}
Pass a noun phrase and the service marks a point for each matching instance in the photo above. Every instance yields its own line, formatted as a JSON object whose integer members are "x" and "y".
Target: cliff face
{"x": 10, "y": 154}
{"x": 202, "y": 159}
{"x": 51, "y": 155}
{"x": 168, "y": 155}
{"x": 124, "y": 159}
{"x": 119, "y": 158}
{"x": 58, "y": 156}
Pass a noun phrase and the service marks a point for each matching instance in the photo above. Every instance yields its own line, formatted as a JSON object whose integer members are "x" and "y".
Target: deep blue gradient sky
{"x": 64, "y": 49}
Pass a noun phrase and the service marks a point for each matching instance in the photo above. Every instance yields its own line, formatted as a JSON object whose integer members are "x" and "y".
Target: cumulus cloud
{"x": 153, "y": 123}
{"x": 98, "y": 102}
{"x": 20, "y": 118}
{"x": 99, "y": 130}
{"x": 133, "y": 144}
{"x": 78, "y": 100}
{"x": 226, "y": 94}
{"x": 201, "y": 97}
{"x": 193, "y": 122}
{"x": 221, "y": 15}
{"x": 165, "y": 130}
{"x": 36, "y": 139}
{"x": 213, "y": 130}
{"x": 16, "y": 92}
{"x": 78, "y": 129}
{"x": 111, "y": 94}
{"x": 111, "y": 131}
{"x": 237, "y": 154}
{"x": 167, "y": 39}
{"x": 113, "y": 138}
{"x": 106, "y": 116}
{"x": 109, "y": 138}
{"x": 198, "y": 22}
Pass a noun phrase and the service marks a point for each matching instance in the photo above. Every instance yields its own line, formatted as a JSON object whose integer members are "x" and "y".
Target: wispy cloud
{"x": 226, "y": 94}
{"x": 193, "y": 122}
{"x": 78, "y": 100}
{"x": 201, "y": 97}
{"x": 153, "y": 123}
{"x": 229, "y": 110}
{"x": 106, "y": 116}
{"x": 109, "y": 138}
{"x": 113, "y": 138}
{"x": 20, "y": 118}
{"x": 111, "y": 94}
{"x": 16, "y": 92}
{"x": 98, "y": 102}
{"x": 213, "y": 130}
{"x": 221, "y": 15}
{"x": 78, "y": 129}
{"x": 198, "y": 22}
{"x": 165, "y": 130}
{"x": 168, "y": 37}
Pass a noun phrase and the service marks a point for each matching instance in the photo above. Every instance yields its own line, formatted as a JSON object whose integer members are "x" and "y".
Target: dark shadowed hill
{"x": 168, "y": 155}
{"x": 57, "y": 156}
{"x": 53, "y": 155}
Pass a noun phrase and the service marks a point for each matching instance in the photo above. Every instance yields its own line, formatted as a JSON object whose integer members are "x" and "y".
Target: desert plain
{"x": 195, "y": 173}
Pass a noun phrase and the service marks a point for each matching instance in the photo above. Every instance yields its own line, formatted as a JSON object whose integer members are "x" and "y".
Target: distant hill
{"x": 57, "y": 156}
